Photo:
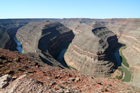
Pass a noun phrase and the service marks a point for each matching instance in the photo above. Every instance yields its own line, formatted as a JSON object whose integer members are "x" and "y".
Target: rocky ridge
{"x": 127, "y": 31}
{"x": 8, "y": 29}
{"x": 46, "y": 38}
{"x": 42, "y": 78}
{"x": 92, "y": 52}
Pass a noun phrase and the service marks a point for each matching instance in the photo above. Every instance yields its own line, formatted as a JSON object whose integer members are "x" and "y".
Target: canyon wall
{"x": 91, "y": 52}
{"x": 8, "y": 29}
{"x": 127, "y": 31}
{"x": 3, "y": 37}
{"x": 41, "y": 41}
{"x": 45, "y": 38}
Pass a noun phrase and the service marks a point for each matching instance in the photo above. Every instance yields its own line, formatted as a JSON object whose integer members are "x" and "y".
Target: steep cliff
{"x": 8, "y": 29}
{"x": 45, "y": 38}
{"x": 3, "y": 37}
{"x": 128, "y": 32}
{"x": 91, "y": 52}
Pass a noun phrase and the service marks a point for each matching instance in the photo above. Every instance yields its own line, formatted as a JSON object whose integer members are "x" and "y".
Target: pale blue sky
{"x": 69, "y": 9}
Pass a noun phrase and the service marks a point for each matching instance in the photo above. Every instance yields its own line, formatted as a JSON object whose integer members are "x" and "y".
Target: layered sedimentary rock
{"x": 8, "y": 29}
{"x": 91, "y": 52}
{"x": 78, "y": 25}
{"x": 3, "y": 37}
{"x": 128, "y": 32}
{"x": 45, "y": 38}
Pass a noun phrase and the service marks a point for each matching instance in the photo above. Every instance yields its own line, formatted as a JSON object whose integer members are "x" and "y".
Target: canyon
{"x": 46, "y": 39}
{"x": 89, "y": 48}
{"x": 127, "y": 31}
{"x": 91, "y": 52}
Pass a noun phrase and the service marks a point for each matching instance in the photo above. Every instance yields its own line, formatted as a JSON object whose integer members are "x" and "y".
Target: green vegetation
{"x": 124, "y": 61}
{"x": 127, "y": 74}
{"x": 72, "y": 68}
{"x": 123, "y": 68}
{"x": 121, "y": 76}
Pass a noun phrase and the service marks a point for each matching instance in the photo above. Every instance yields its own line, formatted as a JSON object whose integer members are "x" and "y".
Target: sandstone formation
{"x": 8, "y": 29}
{"x": 91, "y": 52}
{"x": 4, "y": 80}
{"x": 27, "y": 85}
{"x": 78, "y": 25}
{"x": 127, "y": 31}
{"x": 3, "y": 37}
{"x": 35, "y": 77}
{"x": 45, "y": 38}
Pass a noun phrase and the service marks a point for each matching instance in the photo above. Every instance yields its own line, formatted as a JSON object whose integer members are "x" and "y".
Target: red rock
{"x": 58, "y": 76}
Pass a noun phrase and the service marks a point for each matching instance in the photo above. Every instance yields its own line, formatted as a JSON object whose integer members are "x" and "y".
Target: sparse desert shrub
{"x": 72, "y": 68}
{"x": 120, "y": 77}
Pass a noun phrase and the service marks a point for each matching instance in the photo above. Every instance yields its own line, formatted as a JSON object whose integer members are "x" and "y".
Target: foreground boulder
{"x": 91, "y": 52}
{"x": 25, "y": 84}
{"x": 4, "y": 80}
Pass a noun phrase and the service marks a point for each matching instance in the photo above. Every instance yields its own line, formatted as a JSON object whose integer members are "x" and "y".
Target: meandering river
{"x": 127, "y": 74}
{"x": 60, "y": 57}
{"x": 19, "y": 46}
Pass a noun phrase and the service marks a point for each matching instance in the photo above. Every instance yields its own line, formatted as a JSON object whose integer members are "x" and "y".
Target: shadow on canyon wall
{"x": 52, "y": 44}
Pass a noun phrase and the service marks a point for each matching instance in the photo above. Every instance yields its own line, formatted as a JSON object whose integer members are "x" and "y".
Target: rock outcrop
{"x": 8, "y": 29}
{"x": 27, "y": 85}
{"x": 3, "y": 37}
{"x": 45, "y": 38}
{"x": 127, "y": 31}
{"x": 42, "y": 78}
{"x": 78, "y": 25}
{"x": 92, "y": 52}
{"x": 4, "y": 80}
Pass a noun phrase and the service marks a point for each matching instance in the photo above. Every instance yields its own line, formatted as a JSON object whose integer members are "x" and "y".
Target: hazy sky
{"x": 69, "y": 9}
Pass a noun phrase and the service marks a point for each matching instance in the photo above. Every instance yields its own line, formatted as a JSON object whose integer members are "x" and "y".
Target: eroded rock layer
{"x": 91, "y": 52}
{"x": 127, "y": 31}
{"x": 8, "y": 29}
{"x": 45, "y": 38}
